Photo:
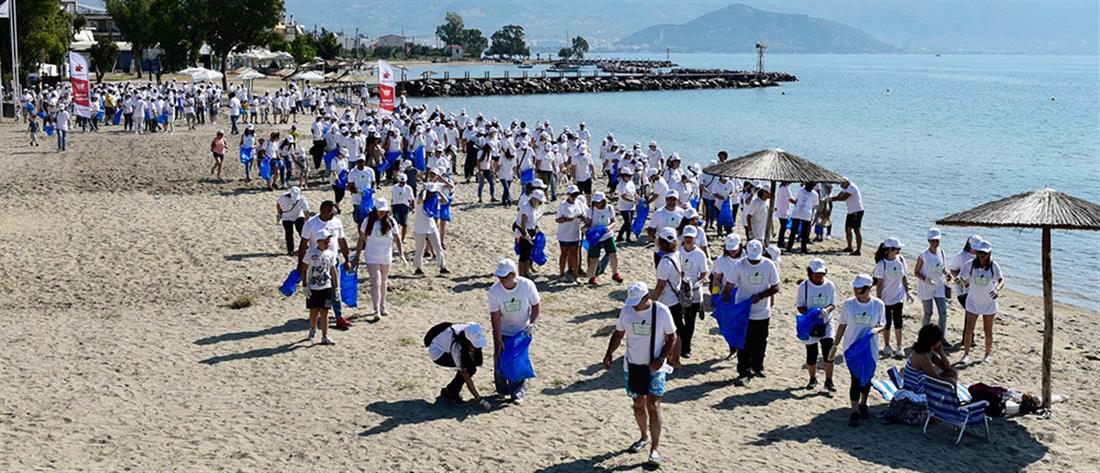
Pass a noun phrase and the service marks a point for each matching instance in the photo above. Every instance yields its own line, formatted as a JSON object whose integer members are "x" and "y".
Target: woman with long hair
{"x": 983, "y": 283}
{"x": 377, "y": 237}
{"x": 927, "y": 359}
{"x": 892, "y": 286}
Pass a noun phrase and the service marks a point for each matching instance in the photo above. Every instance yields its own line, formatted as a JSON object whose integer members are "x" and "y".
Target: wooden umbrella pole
{"x": 1048, "y": 316}
{"x": 771, "y": 210}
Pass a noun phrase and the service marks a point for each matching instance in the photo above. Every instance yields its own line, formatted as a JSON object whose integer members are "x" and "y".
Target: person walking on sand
{"x": 291, "y": 209}
{"x": 458, "y": 346}
{"x": 426, "y": 230}
{"x": 859, "y": 315}
{"x": 513, "y": 309}
{"x": 377, "y": 235}
{"x": 402, "y": 200}
{"x": 817, "y": 292}
{"x": 984, "y": 282}
{"x": 326, "y": 220}
{"x": 651, "y": 347}
{"x": 964, "y": 256}
{"x": 696, "y": 272}
{"x": 756, "y": 278}
{"x": 853, "y": 223}
{"x": 601, "y": 215}
{"x": 217, "y": 148}
{"x": 802, "y": 216}
{"x": 570, "y": 216}
{"x": 930, "y": 271}
{"x": 320, "y": 283}
{"x": 892, "y": 287}
{"x": 526, "y": 227}
{"x": 61, "y": 128}
{"x": 248, "y": 141}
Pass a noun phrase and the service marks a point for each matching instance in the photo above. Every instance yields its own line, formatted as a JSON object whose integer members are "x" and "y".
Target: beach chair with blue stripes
{"x": 944, "y": 404}
{"x": 888, "y": 388}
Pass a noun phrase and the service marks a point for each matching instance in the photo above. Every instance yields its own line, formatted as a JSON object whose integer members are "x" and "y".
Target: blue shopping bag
{"x": 48, "y": 129}
{"x": 538, "y": 252}
{"x": 265, "y": 169}
{"x": 725, "y": 215}
{"x": 527, "y": 176}
{"x": 515, "y": 358}
{"x": 445, "y": 210}
{"x": 366, "y": 205}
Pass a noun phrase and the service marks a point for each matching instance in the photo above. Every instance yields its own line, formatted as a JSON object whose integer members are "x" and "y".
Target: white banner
{"x": 82, "y": 96}
{"x": 5, "y": 9}
{"x": 386, "y": 86}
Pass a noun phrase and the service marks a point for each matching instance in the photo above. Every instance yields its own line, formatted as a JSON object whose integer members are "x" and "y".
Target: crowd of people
{"x": 707, "y": 232}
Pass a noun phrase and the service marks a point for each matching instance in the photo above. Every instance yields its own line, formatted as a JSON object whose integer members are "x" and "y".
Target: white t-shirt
{"x": 626, "y": 189}
{"x": 570, "y": 231}
{"x": 293, "y": 210}
{"x": 854, "y": 200}
{"x": 753, "y": 279}
{"x": 532, "y": 212}
{"x": 811, "y": 296}
{"x": 668, "y": 270}
{"x": 721, "y": 191}
{"x": 444, "y": 343}
{"x": 957, "y": 264}
{"x": 378, "y": 248}
{"x": 783, "y": 201}
{"x": 664, "y": 217}
{"x": 422, "y": 223}
{"x": 932, "y": 268}
{"x": 513, "y": 304}
{"x": 696, "y": 264}
{"x": 363, "y": 179}
{"x": 804, "y": 208}
{"x": 723, "y": 270}
{"x": 979, "y": 298}
{"x": 638, "y": 327}
{"x": 758, "y": 211}
{"x": 318, "y": 268}
{"x": 891, "y": 274}
{"x": 315, "y": 224}
{"x": 602, "y": 217}
{"x": 401, "y": 194}
{"x": 861, "y": 318}
{"x": 582, "y": 167}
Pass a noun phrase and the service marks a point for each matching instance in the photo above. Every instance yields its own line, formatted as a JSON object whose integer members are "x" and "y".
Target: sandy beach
{"x": 120, "y": 350}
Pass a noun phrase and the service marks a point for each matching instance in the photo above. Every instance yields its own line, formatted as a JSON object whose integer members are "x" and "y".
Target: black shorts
{"x": 585, "y": 186}
{"x": 569, "y": 244}
{"x": 218, "y": 156}
{"x": 854, "y": 220}
{"x": 319, "y": 299}
{"x": 893, "y": 316}
{"x": 525, "y": 249}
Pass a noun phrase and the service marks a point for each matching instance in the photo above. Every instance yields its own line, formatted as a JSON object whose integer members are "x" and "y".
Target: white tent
{"x": 199, "y": 74}
{"x": 308, "y": 75}
{"x": 250, "y": 75}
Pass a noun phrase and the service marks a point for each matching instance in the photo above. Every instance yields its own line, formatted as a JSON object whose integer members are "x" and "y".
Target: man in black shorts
{"x": 853, "y": 223}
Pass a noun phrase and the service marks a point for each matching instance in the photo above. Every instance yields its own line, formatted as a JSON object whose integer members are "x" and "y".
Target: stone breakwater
{"x": 566, "y": 84}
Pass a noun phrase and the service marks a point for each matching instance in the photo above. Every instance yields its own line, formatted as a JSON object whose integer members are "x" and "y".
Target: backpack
{"x": 434, "y": 332}
{"x": 683, "y": 293}
{"x": 906, "y": 411}
{"x": 994, "y": 395}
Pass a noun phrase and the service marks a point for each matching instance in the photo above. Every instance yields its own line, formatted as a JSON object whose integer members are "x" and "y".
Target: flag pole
{"x": 12, "y": 16}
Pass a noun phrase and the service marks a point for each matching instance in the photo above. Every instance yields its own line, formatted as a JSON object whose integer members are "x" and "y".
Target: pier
{"x": 563, "y": 83}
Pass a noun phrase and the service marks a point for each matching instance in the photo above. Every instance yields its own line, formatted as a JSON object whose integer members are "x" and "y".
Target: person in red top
{"x": 217, "y": 147}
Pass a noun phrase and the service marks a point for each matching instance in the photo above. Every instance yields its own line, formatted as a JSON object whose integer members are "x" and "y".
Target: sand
{"x": 119, "y": 350}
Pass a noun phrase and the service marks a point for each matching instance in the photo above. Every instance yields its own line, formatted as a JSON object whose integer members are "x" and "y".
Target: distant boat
{"x": 526, "y": 66}
{"x": 563, "y": 68}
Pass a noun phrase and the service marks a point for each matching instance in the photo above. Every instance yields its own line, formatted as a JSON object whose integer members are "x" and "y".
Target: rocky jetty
{"x": 565, "y": 84}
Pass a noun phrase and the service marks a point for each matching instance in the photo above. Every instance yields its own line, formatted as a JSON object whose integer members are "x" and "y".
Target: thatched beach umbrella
{"x": 773, "y": 165}
{"x": 1046, "y": 209}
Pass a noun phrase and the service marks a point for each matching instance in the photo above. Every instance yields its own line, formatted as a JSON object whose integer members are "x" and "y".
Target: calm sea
{"x": 922, "y": 136}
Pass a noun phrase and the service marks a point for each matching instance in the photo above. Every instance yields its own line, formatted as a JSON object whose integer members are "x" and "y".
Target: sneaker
{"x": 342, "y": 323}
{"x": 900, "y": 354}
{"x": 327, "y": 341}
{"x": 685, "y": 355}
{"x": 638, "y": 446}
{"x": 617, "y": 278}
{"x": 887, "y": 352}
{"x": 965, "y": 360}
{"x": 829, "y": 386}
{"x": 312, "y": 334}
{"x": 518, "y": 400}
{"x": 853, "y": 420}
{"x": 654, "y": 458}
{"x": 758, "y": 374}
{"x": 418, "y": 272}
{"x": 987, "y": 359}
{"x": 383, "y": 311}
{"x": 740, "y": 380}
{"x": 444, "y": 271}
{"x": 812, "y": 384}
{"x": 863, "y": 412}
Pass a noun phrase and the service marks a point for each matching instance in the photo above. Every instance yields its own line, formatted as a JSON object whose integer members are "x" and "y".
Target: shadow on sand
{"x": 412, "y": 412}
{"x": 292, "y": 325}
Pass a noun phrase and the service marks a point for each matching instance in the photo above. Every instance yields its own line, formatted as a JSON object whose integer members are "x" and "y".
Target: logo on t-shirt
{"x": 641, "y": 328}
{"x": 511, "y": 306}
{"x": 756, "y": 278}
{"x": 863, "y": 318}
{"x": 819, "y": 300}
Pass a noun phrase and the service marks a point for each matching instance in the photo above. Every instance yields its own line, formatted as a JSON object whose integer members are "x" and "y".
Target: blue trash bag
{"x": 526, "y": 176}
{"x": 48, "y": 129}
{"x": 695, "y": 202}
{"x": 445, "y": 210}
{"x": 329, "y": 156}
{"x": 41, "y": 115}
{"x": 641, "y": 214}
{"x": 538, "y": 252}
{"x": 349, "y": 287}
{"x": 291, "y": 283}
{"x": 99, "y": 116}
{"x": 163, "y": 118}
{"x": 732, "y": 318}
{"x": 341, "y": 180}
{"x": 366, "y": 205}
{"x": 246, "y": 155}
{"x": 418, "y": 159}
{"x": 805, "y": 322}
{"x": 391, "y": 159}
{"x": 860, "y": 357}
{"x": 117, "y": 118}
{"x": 593, "y": 236}
{"x": 30, "y": 106}
{"x": 613, "y": 181}
{"x": 725, "y": 215}
{"x": 515, "y": 358}
{"x": 431, "y": 205}
{"x": 265, "y": 169}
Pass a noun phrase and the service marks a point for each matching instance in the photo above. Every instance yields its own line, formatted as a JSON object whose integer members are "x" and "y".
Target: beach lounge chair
{"x": 889, "y": 387}
{"x": 944, "y": 404}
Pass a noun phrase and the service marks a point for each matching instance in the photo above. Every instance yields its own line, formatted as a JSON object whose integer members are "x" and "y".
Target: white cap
{"x": 572, "y": 189}
{"x": 690, "y": 213}
{"x": 672, "y": 195}
{"x": 983, "y": 247}
{"x": 667, "y": 234}
{"x": 774, "y": 252}
{"x": 381, "y": 204}
{"x": 817, "y": 266}
{"x": 973, "y": 240}
{"x": 862, "y": 280}
{"x": 322, "y": 235}
{"x": 674, "y": 157}
{"x": 402, "y": 178}
{"x": 295, "y": 192}
{"x": 505, "y": 267}
{"x": 891, "y": 243}
{"x": 934, "y": 234}
{"x": 732, "y": 242}
{"x": 598, "y": 197}
{"x": 635, "y": 293}
{"x": 754, "y": 250}
{"x": 626, "y": 171}
{"x": 690, "y": 231}
{"x": 652, "y": 172}
{"x": 539, "y": 196}
{"x": 475, "y": 334}
{"x": 653, "y": 144}
{"x": 538, "y": 184}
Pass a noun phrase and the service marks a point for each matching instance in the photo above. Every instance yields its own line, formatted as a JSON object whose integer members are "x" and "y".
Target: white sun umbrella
{"x": 250, "y": 75}
{"x": 309, "y": 75}
{"x": 203, "y": 74}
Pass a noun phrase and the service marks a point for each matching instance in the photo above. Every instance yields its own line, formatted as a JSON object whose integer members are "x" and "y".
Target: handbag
{"x": 683, "y": 293}
{"x": 818, "y": 330}
{"x": 637, "y": 376}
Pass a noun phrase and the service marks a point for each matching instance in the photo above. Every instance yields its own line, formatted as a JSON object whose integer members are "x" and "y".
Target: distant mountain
{"x": 737, "y": 28}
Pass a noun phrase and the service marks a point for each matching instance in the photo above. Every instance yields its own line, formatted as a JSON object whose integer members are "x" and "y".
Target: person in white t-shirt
{"x": 601, "y": 215}
{"x": 756, "y": 215}
{"x": 670, "y": 272}
{"x": 426, "y": 230}
{"x": 817, "y": 292}
{"x": 892, "y": 286}
{"x": 983, "y": 284}
{"x": 319, "y": 283}
{"x": 377, "y": 235}
{"x": 513, "y": 309}
{"x": 458, "y": 346}
{"x": 526, "y": 227}
{"x": 570, "y": 218}
{"x": 756, "y": 278}
{"x": 696, "y": 267}
{"x": 721, "y": 281}
{"x": 961, "y": 258}
{"x": 931, "y": 272}
{"x": 802, "y": 216}
{"x": 327, "y": 221}
{"x": 651, "y": 347}
{"x": 402, "y": 200}
{"x": 291, "y": 209}
{"x": 360, "y": 179}
{"x": 859, "y": 316}
{"x": 628, "y": 200}
{"x": 853, "y": 223}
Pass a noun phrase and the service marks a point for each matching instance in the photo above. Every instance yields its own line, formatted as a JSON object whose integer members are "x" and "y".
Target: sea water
{"x": 922, "y": 136}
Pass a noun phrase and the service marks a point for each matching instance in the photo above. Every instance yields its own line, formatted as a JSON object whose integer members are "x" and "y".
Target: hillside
{"x": 738, "y": 27}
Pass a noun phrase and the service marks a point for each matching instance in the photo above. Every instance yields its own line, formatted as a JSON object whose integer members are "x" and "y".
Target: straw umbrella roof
{"x": 774, "y": 165}
{"x": 1036, "y": 209}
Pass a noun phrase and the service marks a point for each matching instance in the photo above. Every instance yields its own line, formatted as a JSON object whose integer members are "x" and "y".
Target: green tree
{"x": 134, "y": 18}
{"x": 44, "y": 34}
{"x": 277, "y": 43}
{"x": 580, "y": 47}
{"x": 104, "y": 57}
{"x": 565, "y": 53}
{"x": 474, "y": 43}
{"x": 453, "y": 31}
{"x": 327, "y": 45}
{"x": 303, "y": 48}
{"x": 236, "y": 25}
{"x": 180, "y": 40}
{"x": 509, "y": 41}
